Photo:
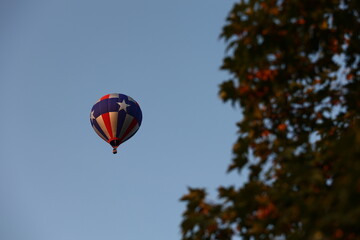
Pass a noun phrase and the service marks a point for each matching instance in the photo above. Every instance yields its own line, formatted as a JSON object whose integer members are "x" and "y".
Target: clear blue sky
{"x": 58, "y": 179}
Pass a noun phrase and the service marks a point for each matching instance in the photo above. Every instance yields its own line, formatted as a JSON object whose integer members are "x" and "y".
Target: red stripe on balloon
{"x": 105, "y": 97}
{"x": 131, "y": 127}
{"x": 106, "y": 118}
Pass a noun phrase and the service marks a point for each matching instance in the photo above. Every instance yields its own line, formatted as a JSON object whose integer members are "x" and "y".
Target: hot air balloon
{"x": 116, "y": 118}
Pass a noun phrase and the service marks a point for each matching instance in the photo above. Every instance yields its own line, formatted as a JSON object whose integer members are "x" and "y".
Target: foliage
{"x": 296, "y": 76}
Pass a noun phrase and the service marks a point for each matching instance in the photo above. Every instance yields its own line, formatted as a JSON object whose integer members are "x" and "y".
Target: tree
{"x": 294, "y": 68}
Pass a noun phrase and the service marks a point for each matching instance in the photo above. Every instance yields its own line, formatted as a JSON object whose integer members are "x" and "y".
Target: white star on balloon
{"x": 123, "y": 105}
{"x": 92, "y": 117}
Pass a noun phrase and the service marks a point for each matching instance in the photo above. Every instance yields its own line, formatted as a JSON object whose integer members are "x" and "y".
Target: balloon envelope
{"x": 116, "y": 118}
